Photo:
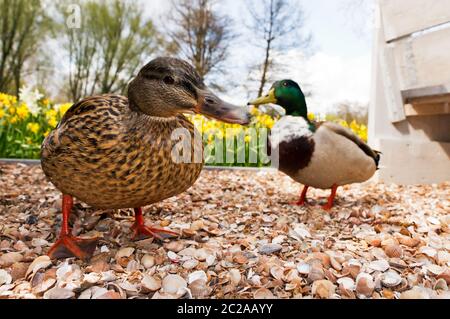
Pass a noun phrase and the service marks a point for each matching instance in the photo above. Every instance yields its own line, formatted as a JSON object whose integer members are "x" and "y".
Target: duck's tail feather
{"x": 377, "y": 158}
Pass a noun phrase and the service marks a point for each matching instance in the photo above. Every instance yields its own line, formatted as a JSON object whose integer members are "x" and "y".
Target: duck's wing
{"x": 83, "y": 122}
{"x": 88, "y": 107}
{"x": 347, "y": 133}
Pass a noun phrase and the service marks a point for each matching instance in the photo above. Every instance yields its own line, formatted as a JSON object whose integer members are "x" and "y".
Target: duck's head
{"x": 288, "y": 95}
{"x": 166, "y": 87}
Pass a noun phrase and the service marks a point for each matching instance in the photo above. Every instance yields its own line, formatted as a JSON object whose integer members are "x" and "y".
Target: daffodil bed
{"x": 27, "y": 119}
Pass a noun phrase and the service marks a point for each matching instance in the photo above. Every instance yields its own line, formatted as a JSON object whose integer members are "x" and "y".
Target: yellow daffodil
{"x": 343, "y": 123}
{"x": 354, "y": 125}
{"x": 22, "y": 111}
{"x": 63, "y": 108}
{"x": 12, "y": 110}
{"x": 269, "y": 122}
{"x": 13, "y": 120}
{"x": 254, "y": 111}
{"x": 51, "y": 113}
{"x": 220, "y": 135}
{"x": 7, "y": 100}
{"x": 33, "y": 127}
{"x": 53, "y": 122}
{"x": 51, "y": 116}
{"x": 2, "y": 113}
{"x": 3, "y": 101}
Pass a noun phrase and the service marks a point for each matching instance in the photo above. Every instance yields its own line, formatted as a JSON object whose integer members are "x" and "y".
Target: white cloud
{"x": 331, "y": 79}
{"x": 338, "y": 71}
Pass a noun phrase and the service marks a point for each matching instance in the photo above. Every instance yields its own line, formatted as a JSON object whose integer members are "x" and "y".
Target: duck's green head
{"x": 287, "y": 94}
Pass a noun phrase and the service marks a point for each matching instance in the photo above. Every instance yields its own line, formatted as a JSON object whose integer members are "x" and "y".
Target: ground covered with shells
{"x": 240, "y": 238}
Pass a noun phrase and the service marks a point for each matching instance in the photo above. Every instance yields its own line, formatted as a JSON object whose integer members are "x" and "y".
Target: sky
{"x": 338, "y": 67}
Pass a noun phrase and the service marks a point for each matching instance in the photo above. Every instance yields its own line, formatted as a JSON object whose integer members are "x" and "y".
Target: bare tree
{"x": 360, "y": 16}
{"x": 201, "y": 35}
{"x": 105, "y": 53}
{"x": 22, "y": 26}
{"x": 277, "y": 26}
{"x": 352, "y": 110}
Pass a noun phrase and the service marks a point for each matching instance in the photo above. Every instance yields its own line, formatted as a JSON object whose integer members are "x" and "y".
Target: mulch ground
{"x": 240, "y": 238}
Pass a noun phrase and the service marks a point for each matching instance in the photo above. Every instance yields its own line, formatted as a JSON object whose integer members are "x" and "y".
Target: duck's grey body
{"x": 331, "y": 155}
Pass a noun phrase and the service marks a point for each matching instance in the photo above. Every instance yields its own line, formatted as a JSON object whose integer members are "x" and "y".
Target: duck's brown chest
{"x": 131, "y": 169}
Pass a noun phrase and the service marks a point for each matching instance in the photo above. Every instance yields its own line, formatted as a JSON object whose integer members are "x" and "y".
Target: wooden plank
{"x": 427, "y": 109}
{"x": 423, "y": 61}
{"x": 409, "y": 162}
{"x": 433, "y": 99}
{"x": 424, "y": 129}
{"x": 426, "y": 91}
{"x": 391, "y": 87}
{"x": 376, "y": 87}
{"x": 404, "y": 17}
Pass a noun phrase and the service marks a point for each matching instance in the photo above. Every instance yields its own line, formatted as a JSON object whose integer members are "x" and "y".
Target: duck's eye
{"x": 285, "y": 84}
{"x": 209, "y": 100}
{"x": 169, "y": 80}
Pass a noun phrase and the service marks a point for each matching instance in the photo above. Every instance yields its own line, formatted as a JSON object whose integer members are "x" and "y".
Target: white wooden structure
{"x": 409, "y": 117}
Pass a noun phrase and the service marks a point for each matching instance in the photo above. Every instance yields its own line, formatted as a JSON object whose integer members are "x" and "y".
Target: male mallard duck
{"x": 322, "y": 155}
{"x": 114, "y": 152}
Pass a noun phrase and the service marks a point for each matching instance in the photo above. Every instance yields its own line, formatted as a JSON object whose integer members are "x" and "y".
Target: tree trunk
{"x": 269, "y": 40}
{"x": 265, "y": 70}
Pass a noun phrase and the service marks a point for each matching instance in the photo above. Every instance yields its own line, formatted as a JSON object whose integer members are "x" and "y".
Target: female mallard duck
{"x": 115, "y": 152}
{"x": 322, "y": 155}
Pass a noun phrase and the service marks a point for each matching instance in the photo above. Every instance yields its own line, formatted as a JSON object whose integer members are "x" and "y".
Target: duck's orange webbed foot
{"x": 330, "y": 203}
{"x": 302, "y": 200}
{"x": 142, "y": 231}
{"x": 67, "y": 245}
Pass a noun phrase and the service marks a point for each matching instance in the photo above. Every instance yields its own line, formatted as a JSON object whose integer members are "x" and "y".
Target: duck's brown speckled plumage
{"x": 109, "y": 156}
{"x": 114, "y": 152}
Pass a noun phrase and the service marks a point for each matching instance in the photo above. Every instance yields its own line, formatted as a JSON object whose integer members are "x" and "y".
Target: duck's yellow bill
{"x": 266, "y": 99}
